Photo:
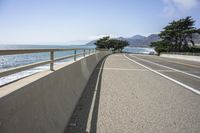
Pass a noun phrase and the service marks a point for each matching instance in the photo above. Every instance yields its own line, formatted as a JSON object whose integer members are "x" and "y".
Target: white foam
{"x": 19, "y": 75}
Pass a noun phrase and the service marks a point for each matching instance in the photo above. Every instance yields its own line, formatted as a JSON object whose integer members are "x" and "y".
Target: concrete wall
{"x": 43, "y": 103}
{"x": 183, "y": 57}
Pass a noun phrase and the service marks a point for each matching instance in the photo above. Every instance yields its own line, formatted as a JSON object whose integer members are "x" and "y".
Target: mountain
{"x": 136, "y": 41}
{"x": 91, "y": 42}
{"x": 142, "y": 41}
{"x": 137, "y": 37}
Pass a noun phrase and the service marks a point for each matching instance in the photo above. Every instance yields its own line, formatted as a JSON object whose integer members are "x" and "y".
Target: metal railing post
{"x": 52, "y": 59}
{"x": 74, "y": 55}
{"x": 84, "y": 52}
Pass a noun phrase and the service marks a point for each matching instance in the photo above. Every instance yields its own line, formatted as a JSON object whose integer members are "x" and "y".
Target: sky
{"x": 79, "y": 21}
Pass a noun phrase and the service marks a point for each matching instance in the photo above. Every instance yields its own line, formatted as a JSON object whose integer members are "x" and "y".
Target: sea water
{"x": 139, "y": 50}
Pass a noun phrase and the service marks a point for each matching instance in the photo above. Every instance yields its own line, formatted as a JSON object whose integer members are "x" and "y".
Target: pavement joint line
{"x": 122, "y": 69}
{"x": 88, "y": 126}
{"x": 177, "y": 72}
{"x": 165, "y": 70}
{"x": 193, "y": 71}
{"x": 128, "y": 69}
{"x": 167, "y": 77}
{"x": 177, "y": 62}
{"x": 117, "y": 59}
{"x": 189, "y": 74}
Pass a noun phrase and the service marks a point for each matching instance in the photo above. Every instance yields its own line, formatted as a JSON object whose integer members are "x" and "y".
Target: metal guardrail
{"x": 182, "y": 53}
{"x": 51, "y": 61}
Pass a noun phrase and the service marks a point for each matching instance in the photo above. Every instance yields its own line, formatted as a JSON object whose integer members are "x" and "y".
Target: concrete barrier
{"x": 44, "y": 102}
{"x": 182, "y": 57}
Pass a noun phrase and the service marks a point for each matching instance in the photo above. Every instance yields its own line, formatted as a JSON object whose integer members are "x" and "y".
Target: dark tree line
{"x": 113, "y": 44}
{"x": 177, "y": 36}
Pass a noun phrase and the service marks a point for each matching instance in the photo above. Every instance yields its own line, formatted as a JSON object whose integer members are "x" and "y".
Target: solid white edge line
{"x": 192, "y": 75}
{"x": 88, "y": 126}
{"x": 171, "y": 79}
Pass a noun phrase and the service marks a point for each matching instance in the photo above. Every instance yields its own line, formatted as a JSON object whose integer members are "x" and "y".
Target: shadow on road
{"x": 79, "y": 119}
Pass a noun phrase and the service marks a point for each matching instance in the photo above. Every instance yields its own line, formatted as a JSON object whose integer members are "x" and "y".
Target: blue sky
{"x": 78, "y": 21}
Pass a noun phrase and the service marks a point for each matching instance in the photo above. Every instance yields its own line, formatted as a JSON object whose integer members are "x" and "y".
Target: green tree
{"x": 114, "y": 44}
{"x": 119, "y": 44}
{"x": 160, "y": 46}
{"x": 177, "y": 35}
{"x": 102, "y": 43}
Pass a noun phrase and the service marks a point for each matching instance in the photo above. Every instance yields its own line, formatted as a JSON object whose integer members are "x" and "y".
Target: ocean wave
{"x": 11, "y": 78}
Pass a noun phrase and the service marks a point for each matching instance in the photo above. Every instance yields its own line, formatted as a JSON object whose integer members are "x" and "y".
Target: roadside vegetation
{"x": 177, "y": 36}
{"x": 111, "y": 44}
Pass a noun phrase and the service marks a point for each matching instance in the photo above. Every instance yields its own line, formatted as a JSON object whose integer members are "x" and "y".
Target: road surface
{"x": 132, "y": 94}
{"x": 186, "y": 72}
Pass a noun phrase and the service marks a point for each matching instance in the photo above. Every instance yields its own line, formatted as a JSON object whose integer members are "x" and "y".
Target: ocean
{"x": 12, "y": 61}
{"x": 139, "y": 50}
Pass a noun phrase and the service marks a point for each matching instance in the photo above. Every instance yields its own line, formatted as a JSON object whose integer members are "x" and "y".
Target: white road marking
{"x": 171, "y": 79}
{"x": 88, "y": 128}
{"x": 192, "y": 75}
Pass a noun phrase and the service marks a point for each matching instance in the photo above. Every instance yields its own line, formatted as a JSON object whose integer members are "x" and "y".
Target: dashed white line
{"x": 171, "y": 79}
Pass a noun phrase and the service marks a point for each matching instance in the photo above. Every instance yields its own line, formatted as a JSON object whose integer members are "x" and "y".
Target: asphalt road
{"x": 186, "y": 72}
{"x": 128, "y": 95}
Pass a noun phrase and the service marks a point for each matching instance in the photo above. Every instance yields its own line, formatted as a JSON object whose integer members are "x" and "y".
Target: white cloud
{"x": 174, "y": 7}
{"x": 95, "y": 37}
{"x": 186, "y": 4}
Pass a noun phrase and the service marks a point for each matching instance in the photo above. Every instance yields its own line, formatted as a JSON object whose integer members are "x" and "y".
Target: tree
{"x": 102, "y": 43}
{"x": 119, "y": 44}
{"x": 177, "y": 35}
{"x": 160, "y": 46}
{"x": 114, "y": 44}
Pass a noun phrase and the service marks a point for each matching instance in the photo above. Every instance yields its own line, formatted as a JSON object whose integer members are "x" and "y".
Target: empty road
{"x": 139, "y": 94}
{"x": 185, "y": 72}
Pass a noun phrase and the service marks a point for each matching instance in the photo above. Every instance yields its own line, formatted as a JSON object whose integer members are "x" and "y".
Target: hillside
{"x": 142, "y": 41}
